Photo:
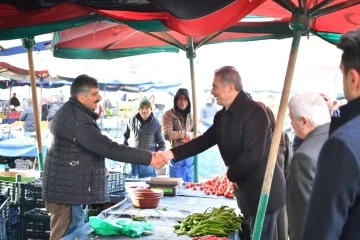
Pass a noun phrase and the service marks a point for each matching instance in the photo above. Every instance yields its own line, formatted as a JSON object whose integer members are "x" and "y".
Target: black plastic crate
{"x": 12, "y": 232}
{"x": 34, "y": 224}
{"x": 4, "y": 209}
{"x": 31, "y": 195}
{"x": 116, "y": 182}
{"x": 13, "y": 214}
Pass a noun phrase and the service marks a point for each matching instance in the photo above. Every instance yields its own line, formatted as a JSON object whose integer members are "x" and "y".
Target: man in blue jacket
{"x": 334, "y": 208}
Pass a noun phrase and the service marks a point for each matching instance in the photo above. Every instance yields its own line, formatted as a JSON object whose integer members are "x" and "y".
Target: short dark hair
{"x": 350, "y": 45}
{"x": 82, "y": 85}
{"x": 229, "y": 74}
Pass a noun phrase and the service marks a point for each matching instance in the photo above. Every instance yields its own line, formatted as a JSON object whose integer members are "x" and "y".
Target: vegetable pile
{"x": 219, "y": 186}
{"x": 214, "y": 221}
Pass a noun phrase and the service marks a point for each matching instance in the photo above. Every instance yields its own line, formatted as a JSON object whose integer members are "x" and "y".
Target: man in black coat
{"x": 14, "y": 101}
{"x": 75, "y": 173}
{"x": 243, "y": 134}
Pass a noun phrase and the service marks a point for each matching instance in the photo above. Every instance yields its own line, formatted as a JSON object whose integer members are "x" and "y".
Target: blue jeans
{"x": 268, "y": 226}
{"x": 182, "y": 169}
{"x": 78, "y": 218}
{"x": 141, "y": 171}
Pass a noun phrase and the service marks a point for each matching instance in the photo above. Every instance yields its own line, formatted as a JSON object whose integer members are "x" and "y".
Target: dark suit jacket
{"x": 243, "y": 136}
{"x": 301, "y": 178}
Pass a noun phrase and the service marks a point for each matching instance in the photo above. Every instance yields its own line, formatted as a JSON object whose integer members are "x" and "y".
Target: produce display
{"x": 219, "y": 186}
{"x": 127, "y": 109}
{"x": 3, "y": 115}
{"x": 14, "y": 115}
{"x": 214, "y": 221}
{"x": 17, "y": 124}
{"x": 44, "y": 125}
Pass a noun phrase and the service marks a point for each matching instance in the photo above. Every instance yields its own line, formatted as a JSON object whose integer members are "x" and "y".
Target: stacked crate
{"x": 33, "y": 218}
{"x": 8, "y": 219}
{"x": 116, "y": 183}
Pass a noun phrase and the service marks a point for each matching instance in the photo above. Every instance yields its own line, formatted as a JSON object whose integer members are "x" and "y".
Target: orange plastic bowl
{"x": 145, "y": 202}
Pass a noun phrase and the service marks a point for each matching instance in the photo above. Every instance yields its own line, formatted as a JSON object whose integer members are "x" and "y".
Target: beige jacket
{"x": 175, "y": 128}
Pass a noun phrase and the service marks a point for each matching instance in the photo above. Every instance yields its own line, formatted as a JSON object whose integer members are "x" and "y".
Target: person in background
{"x": 75, "y": 174}
{"x": 334, "y": 209}
{"x": 152, "y": 99}
{"x": 61, "y": 96}
{"x": 108, "y": 108}
{"x": 146, "y": 131}
{"x": 207, "y": 113}
{"x": 14, "y": 100}
{"x": 28, "y": 117}
{"x": 99, "y": 110}
{"x": 310, "y": 119}
{"x": 44, "y": 109}
{"x": 332, "y": 111}
{"x": 177, "y": 127}
{"x": 331, "y": 105}
{"x": 243, "y": 134}
{"x": 283, "y": 159}
{"x": 56, "y": 104}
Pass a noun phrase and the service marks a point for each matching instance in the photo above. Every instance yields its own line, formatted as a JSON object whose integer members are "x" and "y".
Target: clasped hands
{"x": 161, "y": 158}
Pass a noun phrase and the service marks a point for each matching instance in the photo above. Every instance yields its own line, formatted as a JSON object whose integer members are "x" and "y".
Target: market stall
{"x": 20, "y": 147}
{"x": 164, "y": 217}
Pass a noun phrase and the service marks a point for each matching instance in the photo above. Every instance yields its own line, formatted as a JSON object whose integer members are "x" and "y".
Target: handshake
{"x": 161, "y": 158}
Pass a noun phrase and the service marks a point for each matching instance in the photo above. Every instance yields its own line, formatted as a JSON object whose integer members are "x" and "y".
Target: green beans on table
{"x": 213, "y": 221}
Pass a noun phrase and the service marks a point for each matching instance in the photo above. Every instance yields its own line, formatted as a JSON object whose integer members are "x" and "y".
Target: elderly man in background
{"x": 310, "y": 119}
{"x": 28, "y": 117}
{"x": 75, "y": 174}
{"x": 145, "y": 129}
{"x": 332, "y": 111}
{"x": 334, "y": 208}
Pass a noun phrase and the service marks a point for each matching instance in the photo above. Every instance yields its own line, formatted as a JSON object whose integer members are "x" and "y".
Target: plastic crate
{"x": 12, "y": 232}
{"x": 31, "y": 195}
{"x": 116, "y": 182}
{"x": 4, "y": 209}
{"x": 13, "y": 214}
{"x": 12, "y": 184}
{"x": 34, "y": 224}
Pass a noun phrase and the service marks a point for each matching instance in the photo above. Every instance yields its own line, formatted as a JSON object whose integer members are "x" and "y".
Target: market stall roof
{"x": 192, "y": 18}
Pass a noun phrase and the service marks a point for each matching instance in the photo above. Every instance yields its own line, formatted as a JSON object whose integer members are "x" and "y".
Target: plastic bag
{"x": 126, "y": 227}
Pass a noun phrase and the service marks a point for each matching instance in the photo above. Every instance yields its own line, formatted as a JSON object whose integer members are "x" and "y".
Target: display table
{"x": 178, "y": 207}
{"x": 26, "y": 147}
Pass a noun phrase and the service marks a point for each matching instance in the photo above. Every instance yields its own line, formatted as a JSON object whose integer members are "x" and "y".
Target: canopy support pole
{"x": 41, "y": 98}
{"x": 29, "y": 43}
{"x": 264, "y": 197}
{"x": 9, "y": 110}
{"x": 191, "y": 55}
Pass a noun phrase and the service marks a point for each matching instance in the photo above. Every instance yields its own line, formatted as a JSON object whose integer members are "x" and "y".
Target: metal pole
{"x": 276, "y": 137}
{"x": 8, "y": 113}
{"x": 29, "y": 43}
{"x": 41, "y": 97}
{"x": 191, "y": 54}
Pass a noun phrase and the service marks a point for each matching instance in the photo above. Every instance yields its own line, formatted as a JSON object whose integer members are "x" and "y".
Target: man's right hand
{"x": 158, "y": 160}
